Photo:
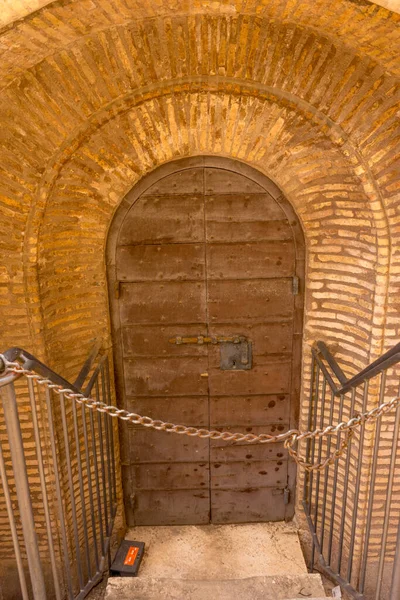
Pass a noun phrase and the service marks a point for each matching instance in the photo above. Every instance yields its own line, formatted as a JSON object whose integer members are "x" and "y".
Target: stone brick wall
{"x": 97, "y": 93}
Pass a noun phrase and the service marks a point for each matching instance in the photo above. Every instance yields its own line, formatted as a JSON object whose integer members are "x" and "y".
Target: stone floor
{"x": 218, "y": 551}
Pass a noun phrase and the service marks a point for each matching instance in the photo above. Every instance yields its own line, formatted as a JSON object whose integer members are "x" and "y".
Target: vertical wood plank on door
{"x": 250, "y": 265}
{"x": 160, "y": 263}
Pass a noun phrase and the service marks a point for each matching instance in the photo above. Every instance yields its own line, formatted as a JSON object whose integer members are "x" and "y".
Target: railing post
{"x": 395, "y": 590}
{"x": 22, "y": 489}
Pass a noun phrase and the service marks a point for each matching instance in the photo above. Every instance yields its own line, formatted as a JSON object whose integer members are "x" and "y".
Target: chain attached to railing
{"x": 289, "y": 438}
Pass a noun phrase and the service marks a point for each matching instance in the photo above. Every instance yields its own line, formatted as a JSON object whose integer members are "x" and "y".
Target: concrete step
{"x": 280, "y": 587}
{"x": 220, "y": 552}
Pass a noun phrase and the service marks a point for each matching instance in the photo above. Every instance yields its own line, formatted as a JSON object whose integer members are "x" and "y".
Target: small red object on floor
{"x": 127, "y": 559}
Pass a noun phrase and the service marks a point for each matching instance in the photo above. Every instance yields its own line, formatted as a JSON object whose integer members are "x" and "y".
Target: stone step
{"x": 280, "y": 587}
{"x": 220, "y": 552}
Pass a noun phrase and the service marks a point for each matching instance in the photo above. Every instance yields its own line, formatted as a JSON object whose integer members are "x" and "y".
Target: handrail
{"x": 30, "y": 362}
{"x": 385, "y": 361}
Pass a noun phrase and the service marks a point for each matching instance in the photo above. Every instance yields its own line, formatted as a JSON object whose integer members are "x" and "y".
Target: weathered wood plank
{"x": 247, "y": 506}
{"x": 265, "y": 375}
{"x": 164, "y": 219}
{"x": 173, "y": 476}
{"x": 248, "y": 410}
{"x": 188, "y": 181}
{"x": 244, "y": 301}
{"x": 248, "y": 474}
{"x": 228, "y": 451}
{"x": 161, "y": 262}
{"x": 244, "y": 217}
{"x": 165, "y": 376}
{"x": 255, "y": 260}
{"x": 153, "y": 340}
{"x": 177, "y": 507}
{"x": 188, "y": 410}
{"x": 169, "y": 302}
{"x": 149, "y": 445}
{"x": 221, "y": 181}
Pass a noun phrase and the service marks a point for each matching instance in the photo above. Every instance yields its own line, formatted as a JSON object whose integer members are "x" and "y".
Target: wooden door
{"x": 206, "y": 252}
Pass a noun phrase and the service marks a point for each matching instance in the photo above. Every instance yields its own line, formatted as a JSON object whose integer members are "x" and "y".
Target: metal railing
{"x": 353, "y": 507}
{"x": 58, "y": 472}
{"x": 59, "y": 480}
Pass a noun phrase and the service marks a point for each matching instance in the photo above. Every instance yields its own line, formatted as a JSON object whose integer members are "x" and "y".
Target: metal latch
{"x": 295, "y": 285}
{"x": 286, "y": 495}
{"x": 236, "y": 350}
{"x": 285, "y": 492}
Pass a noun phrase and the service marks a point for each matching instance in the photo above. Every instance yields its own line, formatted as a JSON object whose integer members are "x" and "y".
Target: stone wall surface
{"x": 97, "y": 93}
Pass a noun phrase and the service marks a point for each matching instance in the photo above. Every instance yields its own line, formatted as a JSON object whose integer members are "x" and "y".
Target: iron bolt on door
{"x": 236, "y": 351}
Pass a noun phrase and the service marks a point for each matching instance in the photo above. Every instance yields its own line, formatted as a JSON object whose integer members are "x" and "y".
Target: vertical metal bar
{"x": 96, "y": 473}
{"x": 317, "y": 484}
{"x": 388, "y": 503}
{"x": 42, "y": 478}
{"x": 81, "y": 488}
{"x": 11, "y": 418}
{"x": 90, "y": 487}
{"x": 371, "y": 495}
{"x": 59, "y": 494}
{"x": 108, "y": 449}
{"x": 110, "y": 489}
{"x": 395, "y": 589}
{"x": 14, "y": 535}
{"x": 112, "y": 434}
{"x": 109, "y": 524}
{"x": 309, "y": 421}
{"x": 357, "y": 488}
{"x": 71, "y": 491}
{"x": 345, "y": 488}
{"x": 310, "y": 489}
{"x": 102, "y": 464}
{"x": 326, "y": 476}
{"x": 334, "y": 486}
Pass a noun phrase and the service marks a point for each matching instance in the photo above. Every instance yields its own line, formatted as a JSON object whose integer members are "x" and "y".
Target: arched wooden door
{"x": 206, "y": 247}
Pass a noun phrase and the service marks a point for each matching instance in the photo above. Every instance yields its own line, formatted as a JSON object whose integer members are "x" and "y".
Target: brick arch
{"x": 362, "y": 26}
{"x": 327, "y": 195}
{"x": 252, "y": 98}
{"x": 327, "y": 83}
{"x": 353, "y": 85}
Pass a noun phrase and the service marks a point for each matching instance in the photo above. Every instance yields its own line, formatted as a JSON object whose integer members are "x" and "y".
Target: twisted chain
{"x": 289, "y": 438}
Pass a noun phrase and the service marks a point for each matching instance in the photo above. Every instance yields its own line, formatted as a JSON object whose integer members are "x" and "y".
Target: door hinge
{"x": 117, "y": 289}
{"x": 286, "y": 495}
{"x": 295, "y": 285}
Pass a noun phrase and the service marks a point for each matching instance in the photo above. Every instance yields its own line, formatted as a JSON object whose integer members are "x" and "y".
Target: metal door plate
{"x": 236, "y": 356}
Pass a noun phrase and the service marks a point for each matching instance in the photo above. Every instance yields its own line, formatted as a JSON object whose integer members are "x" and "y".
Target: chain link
{"x": 289, "y": 438}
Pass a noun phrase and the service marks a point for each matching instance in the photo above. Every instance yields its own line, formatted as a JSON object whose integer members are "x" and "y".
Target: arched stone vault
{"x": 117, "y": 67}
{"x": 360, "y": 24}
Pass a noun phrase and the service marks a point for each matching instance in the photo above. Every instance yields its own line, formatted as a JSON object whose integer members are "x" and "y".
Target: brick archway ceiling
{"x": 12, "y": 10}
{"x": 98, "y": 93}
